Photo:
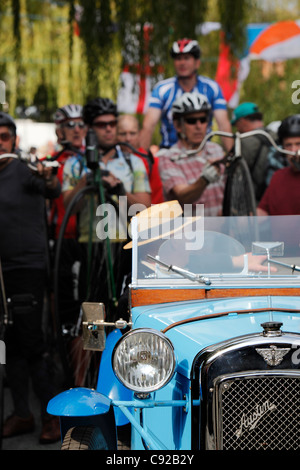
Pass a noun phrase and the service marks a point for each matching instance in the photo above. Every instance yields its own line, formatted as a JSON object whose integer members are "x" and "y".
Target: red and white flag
{"x": 134, "y": 92}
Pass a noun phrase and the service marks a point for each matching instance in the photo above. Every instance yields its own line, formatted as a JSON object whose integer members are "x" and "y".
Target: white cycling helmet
{"x": 70, "y": 111}
{"x": 186, "y": 46}
{"x": 190, "y": 103}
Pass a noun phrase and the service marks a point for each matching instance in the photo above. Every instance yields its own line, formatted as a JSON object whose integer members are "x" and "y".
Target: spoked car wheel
{"x": 84, "y": 438}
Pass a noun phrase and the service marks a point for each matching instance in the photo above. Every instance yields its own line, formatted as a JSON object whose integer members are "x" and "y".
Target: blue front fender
{"x": 79, "y": 402}
{"x": 86, "y": 402}
{"x": 85, "y": 407}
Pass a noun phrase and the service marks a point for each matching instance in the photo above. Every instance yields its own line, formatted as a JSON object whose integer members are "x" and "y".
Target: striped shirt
{"x": 187, "y": 170}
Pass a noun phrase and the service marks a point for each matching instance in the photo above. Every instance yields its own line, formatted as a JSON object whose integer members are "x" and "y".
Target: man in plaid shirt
{"x": 193, "y": 178}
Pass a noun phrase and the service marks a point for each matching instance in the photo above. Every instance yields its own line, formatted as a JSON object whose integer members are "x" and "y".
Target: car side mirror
{"x": 93, "y": 334}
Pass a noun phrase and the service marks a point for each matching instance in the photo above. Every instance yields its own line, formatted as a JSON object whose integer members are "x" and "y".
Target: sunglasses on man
{"x": 5, "y": 136}
{"x": 194, "y": 120}
{"x": 73, "y": 124}
{"x": 104, "y": 124}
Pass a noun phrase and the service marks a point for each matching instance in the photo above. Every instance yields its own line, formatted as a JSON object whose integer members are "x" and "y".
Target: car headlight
{"x": 144, "y": 360}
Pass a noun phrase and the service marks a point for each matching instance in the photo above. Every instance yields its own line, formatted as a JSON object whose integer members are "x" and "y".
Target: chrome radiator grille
{"x": 258, "y": 412}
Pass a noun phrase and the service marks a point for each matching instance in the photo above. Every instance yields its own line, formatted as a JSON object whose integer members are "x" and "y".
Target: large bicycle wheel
{"x": 80, "y": 366}
{"x": 239, "y": 197}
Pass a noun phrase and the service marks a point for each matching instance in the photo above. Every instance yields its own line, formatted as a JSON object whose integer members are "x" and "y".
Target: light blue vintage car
{"x": 210, "y": 356}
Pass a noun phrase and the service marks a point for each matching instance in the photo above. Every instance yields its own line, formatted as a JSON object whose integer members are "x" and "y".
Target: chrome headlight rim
{"x": 160, "y": 384}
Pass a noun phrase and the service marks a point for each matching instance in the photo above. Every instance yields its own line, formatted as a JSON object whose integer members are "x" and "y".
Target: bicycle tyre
{"x": 239, "y": 196}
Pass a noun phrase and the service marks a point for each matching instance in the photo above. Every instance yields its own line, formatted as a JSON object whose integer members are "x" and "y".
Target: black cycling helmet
{"x": 185, "y": 46}
{"x": 189, "y": 103}
{"x": 98, "y": 107}
{"x": 7, "y": 120}
{"x": 290, "y": 127}
{"x": 70, "y": 111}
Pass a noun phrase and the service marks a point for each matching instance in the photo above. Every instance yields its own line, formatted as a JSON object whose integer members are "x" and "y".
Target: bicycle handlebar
{"x": 238, "y": 137}
{"x": 52, "y": 161}
{"x": 9, "y": 155}
{"x": 31, "y": 165}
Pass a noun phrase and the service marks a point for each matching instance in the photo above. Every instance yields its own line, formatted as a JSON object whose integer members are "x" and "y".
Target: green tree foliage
{"x": 273, "y": 92}
{"x": 234, "y": 17}
{"x": 43, "y": 61}
{"x": 169, "y": 21}
{"x": 97, "y": 32}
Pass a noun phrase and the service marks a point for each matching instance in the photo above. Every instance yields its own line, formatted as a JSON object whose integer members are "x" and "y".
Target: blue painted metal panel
{"x": 190, "y": 338}
{"x": 79, "y": 402}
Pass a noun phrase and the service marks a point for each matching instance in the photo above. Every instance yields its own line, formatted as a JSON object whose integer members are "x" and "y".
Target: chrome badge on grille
{"x": 273, "y": 356}
{"x": 249, "y": 422}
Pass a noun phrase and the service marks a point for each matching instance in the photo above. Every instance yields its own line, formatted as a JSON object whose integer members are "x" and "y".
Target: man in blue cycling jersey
{"x": 186, "y": 54}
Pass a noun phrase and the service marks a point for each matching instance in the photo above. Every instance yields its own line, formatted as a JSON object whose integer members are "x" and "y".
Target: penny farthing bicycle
{"x": 239, "y": 196}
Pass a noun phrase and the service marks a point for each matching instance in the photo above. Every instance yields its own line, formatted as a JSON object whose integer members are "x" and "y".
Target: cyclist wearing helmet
{"x": 192, "y": 179}
{"x": 186, "y": 55}
{"x": 71, "y": 132}
{"x": 70, "y": 127}
{"x": 129, "y": 176}
{"x": 23, "y": 257}
{"x": 282, "y": 197}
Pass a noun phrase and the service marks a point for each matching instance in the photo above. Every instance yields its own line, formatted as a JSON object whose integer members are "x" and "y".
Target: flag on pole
{"x": 271, "y": 42}
{"x": 227, "y": 72}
